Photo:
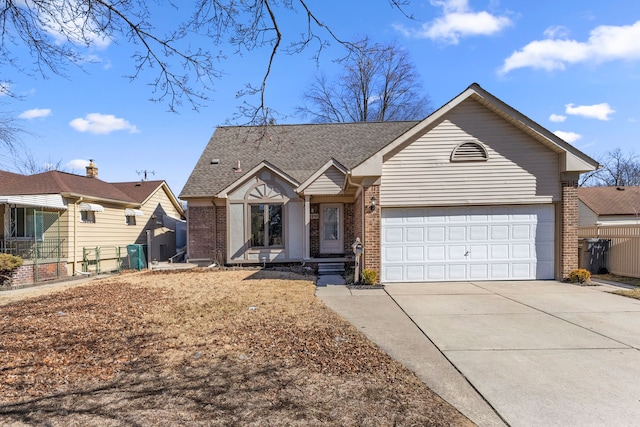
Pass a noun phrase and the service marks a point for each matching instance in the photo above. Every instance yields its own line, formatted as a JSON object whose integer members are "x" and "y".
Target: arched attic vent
{"x": 469, "y": 152}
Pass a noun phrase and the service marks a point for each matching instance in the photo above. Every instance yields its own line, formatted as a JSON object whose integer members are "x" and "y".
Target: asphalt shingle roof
{"x": 611, "y": 200}
{"x": 56, "y": 182}
{"x": 297, "y": 150}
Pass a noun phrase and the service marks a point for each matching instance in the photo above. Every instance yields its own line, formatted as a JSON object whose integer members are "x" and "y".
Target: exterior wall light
{"x": 372, "y": 205}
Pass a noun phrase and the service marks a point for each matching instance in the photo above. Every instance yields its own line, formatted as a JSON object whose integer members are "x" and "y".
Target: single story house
{"x": 64, "y": 224}
{"x": 475, "y": 191}
{"x": 608, "y": 206}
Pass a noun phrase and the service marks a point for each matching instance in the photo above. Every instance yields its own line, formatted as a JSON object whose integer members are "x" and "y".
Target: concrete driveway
{"x": 539, "y": 353}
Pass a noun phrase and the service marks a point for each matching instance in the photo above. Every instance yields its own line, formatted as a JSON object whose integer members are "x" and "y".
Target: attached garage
{"x": 468, "y": 243}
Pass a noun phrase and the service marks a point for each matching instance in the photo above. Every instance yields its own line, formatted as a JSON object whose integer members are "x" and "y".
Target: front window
{"x": 87, "y": 216}
{"x": 266, "y": 225}
{"x": 26, "y": 222}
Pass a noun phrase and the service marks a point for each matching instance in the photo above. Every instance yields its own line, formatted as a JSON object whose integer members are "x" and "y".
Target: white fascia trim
{"x": 262, "y": 165}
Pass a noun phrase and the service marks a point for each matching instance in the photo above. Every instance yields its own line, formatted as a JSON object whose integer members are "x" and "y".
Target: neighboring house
{"x": 608, "y": 206}
{"x": 60, "y": 222}
{"x": 476, "y": 191}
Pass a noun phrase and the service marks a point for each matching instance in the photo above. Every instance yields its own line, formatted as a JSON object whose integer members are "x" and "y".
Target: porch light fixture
{"x": 372, "y": 205}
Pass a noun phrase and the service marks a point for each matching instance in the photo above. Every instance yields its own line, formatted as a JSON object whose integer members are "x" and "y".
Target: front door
{"x": 331, "y": 226}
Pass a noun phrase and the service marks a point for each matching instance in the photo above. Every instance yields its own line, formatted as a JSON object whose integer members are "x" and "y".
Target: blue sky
{"x": 573, "y": 67}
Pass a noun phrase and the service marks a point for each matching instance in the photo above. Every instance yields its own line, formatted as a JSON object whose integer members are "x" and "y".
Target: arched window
{"x": 266, "y": 208}
{"x": 469, "y": 152}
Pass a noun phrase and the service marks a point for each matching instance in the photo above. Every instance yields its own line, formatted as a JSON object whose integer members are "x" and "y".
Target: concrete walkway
{"x": 384, "y": 323}
{"x": 536, "y": 353}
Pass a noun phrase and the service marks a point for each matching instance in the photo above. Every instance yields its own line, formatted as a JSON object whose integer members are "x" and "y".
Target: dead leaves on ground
{"x": 200, "y": 347}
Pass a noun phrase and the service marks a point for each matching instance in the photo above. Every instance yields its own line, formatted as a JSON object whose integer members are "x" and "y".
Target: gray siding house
{"x": 476, "y": 191}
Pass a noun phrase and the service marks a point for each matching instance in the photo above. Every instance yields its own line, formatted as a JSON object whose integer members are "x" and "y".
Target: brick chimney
{"x": 92, "y": 170}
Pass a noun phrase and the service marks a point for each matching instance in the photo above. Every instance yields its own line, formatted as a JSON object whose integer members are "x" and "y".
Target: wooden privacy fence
{"x": 623, "y": 257}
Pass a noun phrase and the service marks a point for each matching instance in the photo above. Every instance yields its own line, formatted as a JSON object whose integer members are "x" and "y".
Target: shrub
{"x": 9, "y": 262}
{"x": 580, "y": 275}
{"x": 369, "y": 277}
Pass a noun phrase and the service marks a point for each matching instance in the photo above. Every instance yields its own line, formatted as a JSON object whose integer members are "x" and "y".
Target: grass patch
{"x": 620, "y": 279}
{"x": 631, "y": 293}
{"x": 200, "y": 348}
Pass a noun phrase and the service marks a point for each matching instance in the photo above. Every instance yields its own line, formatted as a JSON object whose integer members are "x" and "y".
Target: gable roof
{"x": 139, "y": 191}
{"x": 573, "y": 160}
{"x": 62, "y": 183}
{"x": 611, "y": 200}
{"x": 299, "y": 150}
{"x": 56, "y": 182}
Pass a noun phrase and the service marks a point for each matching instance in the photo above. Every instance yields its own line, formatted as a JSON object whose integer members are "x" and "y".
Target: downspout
{"x": 215, "y": 234}
{"x": 75, "y": 234}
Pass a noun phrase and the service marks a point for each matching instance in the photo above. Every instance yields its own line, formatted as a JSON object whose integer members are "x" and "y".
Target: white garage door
{"x": 476, "y": 243}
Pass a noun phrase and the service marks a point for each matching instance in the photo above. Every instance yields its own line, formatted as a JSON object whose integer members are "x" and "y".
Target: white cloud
{"x": 557, "y": 31}
{"x": 605, "y": 43}
{"x": 102, "y": 124}
{"x": 597, "y": 111}
{"x": 69, "y": 24}
{"x": 570, "y": 137}
{"x": 77, "y": 164}
{"x": 35, "y": 113}
{"x": 557, "y": 118}
{"x": 456, "y": 22}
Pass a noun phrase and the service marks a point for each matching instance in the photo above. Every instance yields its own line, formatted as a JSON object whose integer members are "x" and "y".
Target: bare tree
{"x": 55, "y": 32}
{"x": 378, "y": 83}
{"x": 619, "y": 169}
{"x": 27, "y": 164}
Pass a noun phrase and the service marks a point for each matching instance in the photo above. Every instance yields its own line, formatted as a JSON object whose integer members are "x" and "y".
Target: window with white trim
{"x": 266, "y": 212}
{"x": 88, "y": 217}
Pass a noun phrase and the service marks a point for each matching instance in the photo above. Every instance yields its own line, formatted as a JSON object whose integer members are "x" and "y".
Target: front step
{"x": 330, "y": 268}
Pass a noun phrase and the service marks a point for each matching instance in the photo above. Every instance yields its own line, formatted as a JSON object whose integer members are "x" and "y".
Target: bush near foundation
{"x": 580, "y": 276}
{"x": 8, "y": 263}
{"x": 369, "y": 277}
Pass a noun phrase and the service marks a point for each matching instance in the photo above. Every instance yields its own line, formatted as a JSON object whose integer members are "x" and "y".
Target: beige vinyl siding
{"x": 110, "y": 229}
{"x": 519, "y": 169}
{"x": 586, "y": 216}
{"x": 328, "y": 183}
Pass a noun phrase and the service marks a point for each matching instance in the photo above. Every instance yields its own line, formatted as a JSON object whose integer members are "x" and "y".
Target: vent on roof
{"x": 469, "y": 152}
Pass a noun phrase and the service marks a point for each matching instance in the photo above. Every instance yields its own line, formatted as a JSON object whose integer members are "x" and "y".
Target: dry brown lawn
{"x": 199, "y": 348}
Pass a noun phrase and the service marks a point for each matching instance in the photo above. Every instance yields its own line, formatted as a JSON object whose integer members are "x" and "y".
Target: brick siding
{"x": 569, "y": 228}
{"x": 349, "y": 227}
{"x": 201, "y": 235}
{"x": 314, "y": 231}
{"x": 28, "y": 272}
{"x": 372, "y": 230}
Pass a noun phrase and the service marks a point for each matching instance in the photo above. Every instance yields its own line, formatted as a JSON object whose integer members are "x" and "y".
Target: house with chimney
{"x": 64, "y": 224}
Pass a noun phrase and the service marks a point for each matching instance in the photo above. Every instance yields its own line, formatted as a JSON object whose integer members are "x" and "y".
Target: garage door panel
{"x": 392, "y": 235}
{"x": 521, "y": 270}
{"x": 414, "y": 234}
{"x": 458, "y": 233}
{"x": 457, "y": 272}
{"x": 457, "y": 252}
{"x": 499, "y": 271}
{"x": 436, "y": 234}
{"x": 415, "y": 273}
{"x": 393, "y": 254}
{"x": 436, "y": 253}
{"x": 479, "y": 271}
{"x": 478, "y": 232}
{"x": 521, "y": 232}
{"x": 415, "y": 253}
{"x": 478, "y": 252}
{"x": 499, "y": 232}
{"x": 476, "y": 243}
{"x": 436, "y": 273}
